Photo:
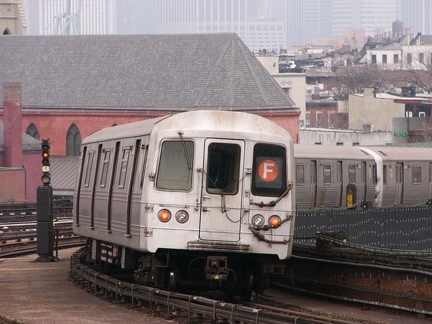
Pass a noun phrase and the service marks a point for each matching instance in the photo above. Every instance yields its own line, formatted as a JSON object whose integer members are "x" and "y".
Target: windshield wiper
{"x": 274, "y": 202}
{"x": 185, "y": 151}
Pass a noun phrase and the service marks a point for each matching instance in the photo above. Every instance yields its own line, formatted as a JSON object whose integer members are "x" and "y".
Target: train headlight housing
{"x": 258, "y": 221}
{"x": 164, "y": 215}
{"x": 274, "y": 221}
{"x": 182, "y": 216}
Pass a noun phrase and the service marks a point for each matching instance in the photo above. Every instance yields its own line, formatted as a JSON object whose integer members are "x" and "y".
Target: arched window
{"x": 33, "y": 131}
{"x": 6, "y": 31}
{"x": 73, "y": 141}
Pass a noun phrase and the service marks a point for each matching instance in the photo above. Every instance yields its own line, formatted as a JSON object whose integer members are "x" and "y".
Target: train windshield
{"x": 175, "y": 165}
{"x": 223, "y": 168}
{"x": 269, "y": 170}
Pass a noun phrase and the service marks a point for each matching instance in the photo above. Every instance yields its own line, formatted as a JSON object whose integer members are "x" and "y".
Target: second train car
{"x": 338, "y": 177}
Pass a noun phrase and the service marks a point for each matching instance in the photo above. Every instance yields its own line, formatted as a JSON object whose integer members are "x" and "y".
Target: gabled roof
{"x": 136, "y": 72}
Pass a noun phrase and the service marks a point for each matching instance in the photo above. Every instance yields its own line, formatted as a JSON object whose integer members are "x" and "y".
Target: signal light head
{"x": 46, "y": 179}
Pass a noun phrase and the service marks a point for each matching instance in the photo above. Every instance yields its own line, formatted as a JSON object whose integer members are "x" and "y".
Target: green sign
{"x": 400, "y": 134}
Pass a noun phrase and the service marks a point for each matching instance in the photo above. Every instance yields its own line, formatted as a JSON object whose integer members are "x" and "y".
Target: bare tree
{"x": 355, "y": 78}
{"x": 419, "y": 74}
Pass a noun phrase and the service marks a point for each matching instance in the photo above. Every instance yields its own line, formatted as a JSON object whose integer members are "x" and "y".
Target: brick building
{"x": 20, "y": 166}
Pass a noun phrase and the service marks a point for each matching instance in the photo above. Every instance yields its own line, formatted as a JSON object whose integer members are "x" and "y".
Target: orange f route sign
{"x": 268, "y": 170}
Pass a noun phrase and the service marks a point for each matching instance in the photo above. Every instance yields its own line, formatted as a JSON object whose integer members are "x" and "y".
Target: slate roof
{"x": 29, "y": 143}
{"x": 139, "y": 72}
{"x": 64, "y": 171}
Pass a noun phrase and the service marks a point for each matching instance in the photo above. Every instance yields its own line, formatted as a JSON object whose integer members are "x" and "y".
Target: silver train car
{"x": 196, "y": 199}
{"x": 338, "y": 177}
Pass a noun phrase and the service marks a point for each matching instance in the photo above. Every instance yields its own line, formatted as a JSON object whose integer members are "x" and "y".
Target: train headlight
{"x": 182, "y": 216}
{"x": 258, "y": 221}
{"x": 274, "y": 221}
{"x": 164, "y": 215}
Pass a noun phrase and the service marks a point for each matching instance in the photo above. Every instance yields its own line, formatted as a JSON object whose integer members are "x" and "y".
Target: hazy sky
{"x": 299, "y": 20}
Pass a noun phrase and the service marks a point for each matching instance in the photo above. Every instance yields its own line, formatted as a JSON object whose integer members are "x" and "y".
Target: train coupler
{"x": 216, "y": 268}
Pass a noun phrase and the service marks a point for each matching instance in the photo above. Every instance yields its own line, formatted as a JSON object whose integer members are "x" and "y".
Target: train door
{"x": 313, "y": 183}
{"x": 221, "y": 196}
{"x": 399, "y": 183}
{"x": 430, "y": 180}
{"x": 339, "y": 183}
{"x": 363, "y": 182}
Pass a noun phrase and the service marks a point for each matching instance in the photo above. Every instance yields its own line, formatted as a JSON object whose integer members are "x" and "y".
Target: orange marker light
{"x": 164, "y": 215}
{"x": 274, "y": 221}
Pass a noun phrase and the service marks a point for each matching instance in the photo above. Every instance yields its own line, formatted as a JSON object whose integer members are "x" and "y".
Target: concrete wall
{"x": 366, "y": 109}
{"x": 341, "y": 137}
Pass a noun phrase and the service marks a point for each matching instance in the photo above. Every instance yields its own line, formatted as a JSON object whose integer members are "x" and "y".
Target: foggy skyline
{"x": 260, "y": 23}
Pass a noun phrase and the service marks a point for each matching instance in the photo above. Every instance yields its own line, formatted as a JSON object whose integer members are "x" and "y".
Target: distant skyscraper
{"x": 56, "y": 17}
{"x": 417, "y": 15}
{"x": 252, "y": 20}
{"x": 325, "y": 18}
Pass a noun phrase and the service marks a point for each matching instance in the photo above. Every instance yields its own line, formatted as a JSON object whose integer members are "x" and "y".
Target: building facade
{"x": 71, "y": 17}
{"x": 13, "y": 19}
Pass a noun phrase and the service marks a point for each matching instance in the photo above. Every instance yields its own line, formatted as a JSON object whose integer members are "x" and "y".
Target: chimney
{"x": 12, "y": 124}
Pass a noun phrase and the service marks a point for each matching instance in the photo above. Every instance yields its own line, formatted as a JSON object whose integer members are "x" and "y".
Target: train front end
{"x": 227, "y": 186}
{"x": 223, "y": 195}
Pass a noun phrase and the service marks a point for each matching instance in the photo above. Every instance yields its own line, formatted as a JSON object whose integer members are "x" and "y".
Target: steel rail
{"x": 173, "y": 301}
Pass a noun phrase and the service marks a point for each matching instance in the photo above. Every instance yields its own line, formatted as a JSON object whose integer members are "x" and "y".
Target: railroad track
{"x": 394, "y": 279}
{"x": 181, "y": 306}
{"x": 21, "y": 238}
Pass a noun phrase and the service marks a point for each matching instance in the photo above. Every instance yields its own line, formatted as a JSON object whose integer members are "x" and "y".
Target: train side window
{"x": 385, "y": 174}
{"x": 351, "y": 173}
{"x": 416, "y": 175}
{"x": 223, "y": 168}
{"x": 300, "y": 174}
{"x": 106, "y": 159}
{"x": 374, "y": 174}
{"x": 269, "y": 170}
{"x": 144, "y": 163}
{"x": 430, "y": 172}
{"x": 89, "y": 168}
{"x": 176, "y": 165}
{"x": 327, "y": 174}
{"x": 124, "y": 166}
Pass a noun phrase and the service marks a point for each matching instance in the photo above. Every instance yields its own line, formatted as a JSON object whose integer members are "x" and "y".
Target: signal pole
{"x": 44, "y": 209}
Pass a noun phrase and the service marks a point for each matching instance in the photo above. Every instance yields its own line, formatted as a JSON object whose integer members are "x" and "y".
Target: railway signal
{"x": 46, "y": 177}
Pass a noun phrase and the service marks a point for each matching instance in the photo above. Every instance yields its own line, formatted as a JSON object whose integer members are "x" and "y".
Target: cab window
{"x": 269, "y": 170}
{"x": 175, "y": 165}
{"x": 223, "y": 168}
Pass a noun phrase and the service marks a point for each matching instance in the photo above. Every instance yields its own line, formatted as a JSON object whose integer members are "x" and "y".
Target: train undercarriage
{"x": 233, "y": 274}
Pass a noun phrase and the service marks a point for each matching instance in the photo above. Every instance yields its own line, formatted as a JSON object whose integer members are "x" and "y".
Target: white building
{"x": 294, "y": 84}
{"x": 251, "y": 20}
{"x": 71, "y": 17}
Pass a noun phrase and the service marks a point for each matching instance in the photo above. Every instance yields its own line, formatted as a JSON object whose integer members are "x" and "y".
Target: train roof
{"x": 333, "y": 152}
{"x": 404, "y": 153}
{"x": 235, "y": 124}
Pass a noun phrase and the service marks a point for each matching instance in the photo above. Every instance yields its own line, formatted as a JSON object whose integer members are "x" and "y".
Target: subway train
{"x": 196, "y": 200}
{"x": 341, "y": 177}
